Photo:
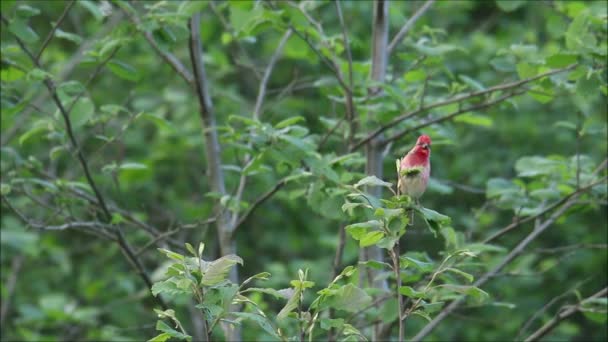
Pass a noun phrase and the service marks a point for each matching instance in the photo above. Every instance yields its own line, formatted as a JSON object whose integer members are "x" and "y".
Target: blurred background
{"x": 138, "y": 124}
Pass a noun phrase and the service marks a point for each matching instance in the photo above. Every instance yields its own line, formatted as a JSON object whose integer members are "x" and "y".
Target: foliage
{"x": 108, "y": 156}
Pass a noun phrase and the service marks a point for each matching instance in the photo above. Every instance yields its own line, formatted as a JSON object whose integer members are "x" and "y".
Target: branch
{"x": 16, "y": 264}
{"x": 545, "y": 329}
{"x": 259, "y": 202}
{"x": 173, "y": 61}
{"x": 408, "y": 25}
{"x": 95, "y": 227}
{"x": 545, "y": 307}
{"x": 264, "y": 83}
{"x": 48, "y": 38}
{"x": 507, "y": 260}
{"x": 256, "y": 113}
{"x": 350, "y": 107}
{"x": 212, "y": 146}
{"x": 459, "y": 98}
{"x": 451, "y": 116}
{"x": 518, "y": 222}
{"x": 126, "y": 248}
{"x": 61, "y": 76}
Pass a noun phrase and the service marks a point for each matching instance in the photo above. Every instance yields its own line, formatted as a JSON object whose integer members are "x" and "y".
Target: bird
{"x": 414, "y": 169}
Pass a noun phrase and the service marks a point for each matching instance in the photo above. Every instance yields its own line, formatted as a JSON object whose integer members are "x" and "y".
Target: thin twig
{"x": 408, "y": 25}
{"x": 518, "y": 222}
{"x": 259, "y": 202}
{"x": 126, "y": 248}
{"x": 256, "y": 113}
{"x": 459, "y": 98}
{"x": 451, "y": 116}
{"x": 350, "y": 106}
{"x": 515, "y": 252}
{"x": 562, "y": 315}
{"x": 16, "y": 264}
{"x": 168, "y": 57}
{"x": 49, "y": 36}
{"x": 545, "y": 307}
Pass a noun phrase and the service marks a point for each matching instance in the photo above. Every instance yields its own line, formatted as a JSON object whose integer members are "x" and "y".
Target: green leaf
{"x": 68, "y": 36}
{"x": 432, "y": 215}
{"x": 123, "y": 70}
{"x": 289, "y": 121}
{"x": 26, "y": 11}
{"x": 525, "y": 70}
{"x": 474, "y": 84}
{"x": 510, "y": 5}
{"x": 474, "y": 119}
{"x": 358, "y": 230}
{"x": 375, "y": 264}
{"x": 162, "y": 326}
{"x": 82, "y": 112}
{"x": 22, "y": 30}
{"x": 216, "y": 271}
{"x": 117, "y": 218}
{"x": 92, "y": 8}
{"x": 291, "y": 304}
{"x": 161, "y": 123}
{"x": 476, "y": 293}
{"x": 190, "y": 249}
{"x": 39, "y": 128}
{"x": 348, "y": 298}
{"x": 269, "y": 291}
{"x": 467, "y": 276}
{"x": 373, "y": 181}
{"x": 260, "y": 320}
{"x": 415, "y": 75}
{"x": 172, "y": 255}
{"x": 160, "y": 338}
{"x": 132, "y": 166}
{"x": 329, "y": 323}
{"x": 410, "y": 292}
{"x": 536, "y": 165}
{"x": 423, "y": 266}
{"x": 561, "y": 60}
{"x": 371, "y": 238}
{"x": 389, "y": 213}
{"x": 578, "y": 37}
{"x": 5, "y": 189}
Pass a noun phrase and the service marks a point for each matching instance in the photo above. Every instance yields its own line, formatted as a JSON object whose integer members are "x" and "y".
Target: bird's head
{"x": 423, "y": 145}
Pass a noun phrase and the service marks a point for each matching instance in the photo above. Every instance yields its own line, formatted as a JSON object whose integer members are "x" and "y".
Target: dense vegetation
{"x": 225, "y": 170}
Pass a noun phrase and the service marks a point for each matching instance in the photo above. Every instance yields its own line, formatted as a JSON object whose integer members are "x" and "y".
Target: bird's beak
{"x": 426, "y": 146}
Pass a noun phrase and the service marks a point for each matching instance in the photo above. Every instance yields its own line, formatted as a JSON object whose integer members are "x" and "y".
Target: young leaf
{"x": 373, "y": 181}
{"x": 216, "y": 271}
{"x": 348, "y": 298}
{"x": 162, "y": 326}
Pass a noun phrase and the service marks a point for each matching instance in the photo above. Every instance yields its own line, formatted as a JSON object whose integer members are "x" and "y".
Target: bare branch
{"x": 459, "y": 98}
{"x": 256, "y": 113}
{"x": 451, "y": 116}
{"x": 259, "y": 202}
{"x": 125, "y": 247}
{"x": 173, "y": 61}
{"x": 562, "y": 315}
{"x": 518, "y": 222}
{"x": 16, "y": 264}
{"x": 408, "y": 25}
{"x": 373, "y": 152}
{"x": 350, "y": 106}
{"x": 48, "y": 38}
{"x": 545, "y": 307}
{"x": 212, "y": 146}
{"x": 264, "y": 83}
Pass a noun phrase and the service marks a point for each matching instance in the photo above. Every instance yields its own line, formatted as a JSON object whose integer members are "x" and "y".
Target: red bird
{"x": 414, "y": 169}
